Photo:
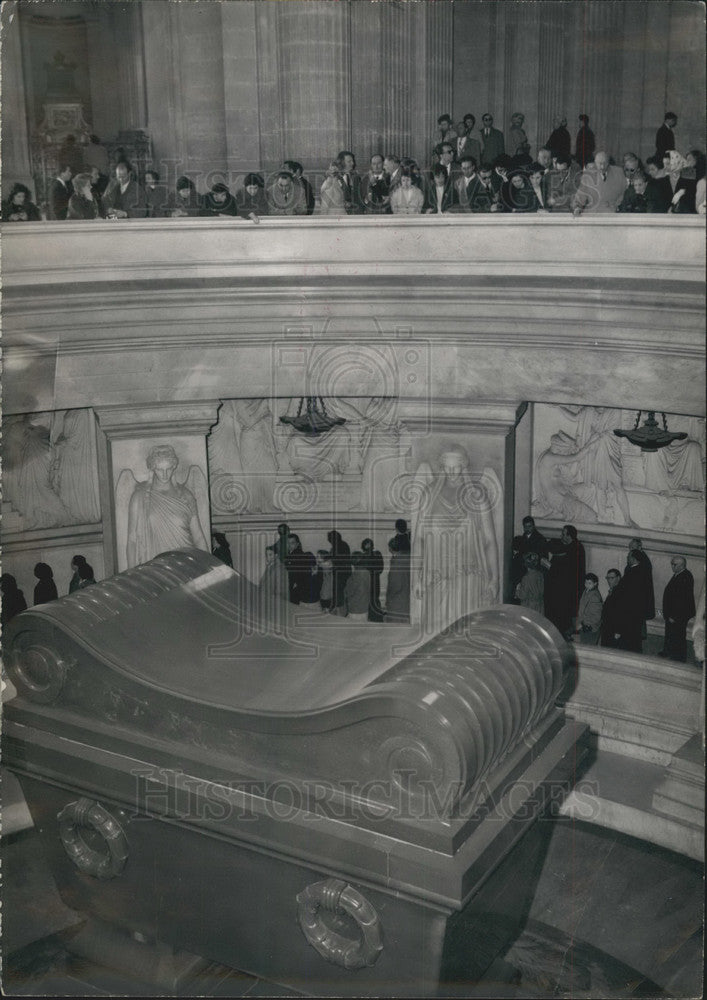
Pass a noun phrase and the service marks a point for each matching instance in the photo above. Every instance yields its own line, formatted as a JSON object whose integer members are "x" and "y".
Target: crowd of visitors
{"x": 471, "y": 170}
{"x": 13, "y": 599}
{"x": 549, "y": 576}
{"x": 340, "y": 581}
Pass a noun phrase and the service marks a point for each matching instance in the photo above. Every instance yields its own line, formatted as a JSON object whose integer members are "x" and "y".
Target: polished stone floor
{"x": 611, "y": 917}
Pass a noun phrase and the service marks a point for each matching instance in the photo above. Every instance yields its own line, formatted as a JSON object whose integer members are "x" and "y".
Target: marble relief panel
{"x": 585, "y": 474}
{"x": 50, "y": 470}
{"x": 259, "y": 465}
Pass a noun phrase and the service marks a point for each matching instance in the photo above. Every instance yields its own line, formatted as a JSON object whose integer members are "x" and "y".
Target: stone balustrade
{"x": 589, "y": 310}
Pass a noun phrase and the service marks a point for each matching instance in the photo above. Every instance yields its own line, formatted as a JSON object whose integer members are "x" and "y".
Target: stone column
{"x": 129, "y": 435}
{"x": 240, "y": 86}
{"x": 314, "y": 72}
{"x": 127, "y": 38}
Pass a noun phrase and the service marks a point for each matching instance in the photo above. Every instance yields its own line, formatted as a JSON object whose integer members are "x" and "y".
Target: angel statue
{"x": 456, "y": 525}
{"x": 162, "y": 514}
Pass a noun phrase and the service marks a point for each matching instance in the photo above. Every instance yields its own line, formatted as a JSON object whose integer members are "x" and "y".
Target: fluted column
{"x": 314, "y": 54}
{"x": 369, "y": 95}
{"x": 602, "y": 61}
{"x": 395, "y": 42}
{"x": 432, "y": 72}
{"x": 126, "y": 24}
{"x": 551, "y": 96}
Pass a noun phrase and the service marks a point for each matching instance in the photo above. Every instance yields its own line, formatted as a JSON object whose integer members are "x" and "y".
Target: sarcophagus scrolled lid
{"x": 366, "y": 752}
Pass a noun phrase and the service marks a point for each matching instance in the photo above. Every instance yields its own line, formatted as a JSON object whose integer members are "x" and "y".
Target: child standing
{"x": 326, "y": 568}
{"x": 588, "y": 624}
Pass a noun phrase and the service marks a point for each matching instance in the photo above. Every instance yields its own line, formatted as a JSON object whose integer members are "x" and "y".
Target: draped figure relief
{"x": 588, "y": 475}
{"x": 456, "y": 528}
{"x": 257, "y": 464}
{"x": 50, "y": 468}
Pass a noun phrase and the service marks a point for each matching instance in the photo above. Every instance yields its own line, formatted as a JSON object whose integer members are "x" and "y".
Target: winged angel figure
{"x": 457, "y": 521}
{"x": 161, "y": 514}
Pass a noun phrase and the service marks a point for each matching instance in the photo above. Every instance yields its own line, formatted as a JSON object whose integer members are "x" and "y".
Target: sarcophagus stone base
{"x": 378, "y": 834}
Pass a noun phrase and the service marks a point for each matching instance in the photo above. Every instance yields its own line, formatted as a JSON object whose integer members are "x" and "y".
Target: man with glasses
{"x": 491, "y": 140}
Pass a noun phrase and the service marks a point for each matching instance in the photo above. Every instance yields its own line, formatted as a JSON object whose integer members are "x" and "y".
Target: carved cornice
{"x": 157, "y": 419}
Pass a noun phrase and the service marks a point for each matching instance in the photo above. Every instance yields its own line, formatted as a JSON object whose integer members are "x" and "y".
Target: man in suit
{"x": 492, "y": 144}
{"x": 350, "y": 181}
{"x": 124, "y": 198}
{"x": 678, "y": 609}
{"x": 375, "y": 188}
{"x": 297, "y": 171}
{"x": 601, "y": 187}
{"x": 482, "y": 197}
{"x": 560, "y": 184}
{"x": 60, "y": 192}
{"x": 467, "y": 145}
{"x": 445, "y": 158}
{"x": 392, "y": 167}
{"x": 664, "y": 137}
{"x": 545, "y": 159}
{"x": 530, "y": 541}
{"x": 464, "y": 182}
{"x": 286, "y": 197}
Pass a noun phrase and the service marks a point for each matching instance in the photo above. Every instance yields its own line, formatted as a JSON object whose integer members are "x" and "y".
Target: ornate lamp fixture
{"x": 315, "y": 420}
{"x": 651, "y": 437}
